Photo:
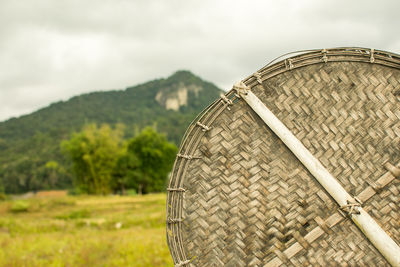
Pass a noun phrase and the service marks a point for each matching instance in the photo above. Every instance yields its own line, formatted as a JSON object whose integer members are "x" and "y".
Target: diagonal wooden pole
{"x": 378, "y": 237}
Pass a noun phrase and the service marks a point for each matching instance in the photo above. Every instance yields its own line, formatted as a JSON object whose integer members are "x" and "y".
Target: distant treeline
{"x": 100, "y": 161}
{"x": 30, "y": 154}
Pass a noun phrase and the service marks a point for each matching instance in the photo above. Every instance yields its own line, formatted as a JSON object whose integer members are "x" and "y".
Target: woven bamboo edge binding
{"x": 195, "y": 131}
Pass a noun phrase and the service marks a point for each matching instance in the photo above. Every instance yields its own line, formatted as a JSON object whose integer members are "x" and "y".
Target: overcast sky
{"x": 52, "y": 50}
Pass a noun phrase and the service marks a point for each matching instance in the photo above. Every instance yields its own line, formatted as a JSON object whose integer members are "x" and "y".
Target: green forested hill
{"x": 30, "y": 156}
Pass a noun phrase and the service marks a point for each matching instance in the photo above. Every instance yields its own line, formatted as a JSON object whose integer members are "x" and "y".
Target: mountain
{"x": 30, "y": 144}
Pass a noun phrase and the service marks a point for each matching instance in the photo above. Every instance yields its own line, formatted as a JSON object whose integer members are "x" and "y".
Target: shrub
{"x": 75, "y": 191}
{"x": 19, "y": 206}
{"x": 131, "y": 192}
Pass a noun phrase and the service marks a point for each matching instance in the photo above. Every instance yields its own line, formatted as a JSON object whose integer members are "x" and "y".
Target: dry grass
{"x": 85, "y": 231}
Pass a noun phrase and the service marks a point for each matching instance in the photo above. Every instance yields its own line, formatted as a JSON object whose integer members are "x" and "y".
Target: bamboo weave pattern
{"x": 247, "y": 201}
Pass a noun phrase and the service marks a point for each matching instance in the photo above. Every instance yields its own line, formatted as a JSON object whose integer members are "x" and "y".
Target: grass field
{"x": 84, "y": 231}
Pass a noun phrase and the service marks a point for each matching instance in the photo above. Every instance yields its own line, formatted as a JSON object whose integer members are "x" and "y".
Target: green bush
{"x": 19, "y": 206}
{"x": 75, "y": 191}
{"x": 131, "y": 192}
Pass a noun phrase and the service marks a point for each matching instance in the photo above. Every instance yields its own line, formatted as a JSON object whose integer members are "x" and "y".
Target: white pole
{"x": 378, "y": 237}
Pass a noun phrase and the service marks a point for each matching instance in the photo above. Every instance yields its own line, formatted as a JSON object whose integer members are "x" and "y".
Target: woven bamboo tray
{"x": 238, "y": 196}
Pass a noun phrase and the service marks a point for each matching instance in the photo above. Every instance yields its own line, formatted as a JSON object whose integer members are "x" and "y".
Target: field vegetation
{"x": 84, "y": 231}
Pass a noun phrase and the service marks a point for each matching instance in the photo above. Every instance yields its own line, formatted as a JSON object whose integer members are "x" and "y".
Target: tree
{"x": 94, "y": 153}
{"x": 125, "y": 173}
{"x": 53, "y": 175}
{"x": 147, "y": 162}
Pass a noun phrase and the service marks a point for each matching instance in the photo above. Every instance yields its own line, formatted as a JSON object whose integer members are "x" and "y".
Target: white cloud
{"x": 52, "y": 50}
